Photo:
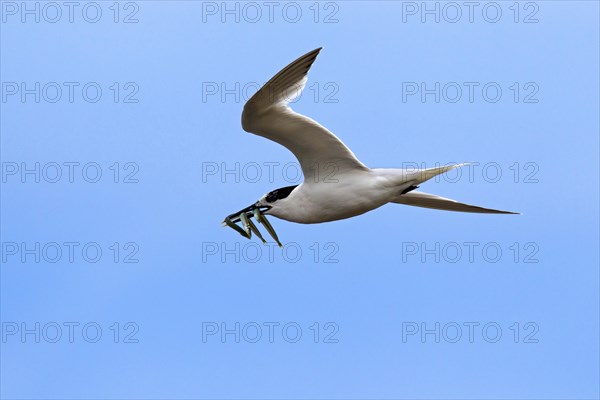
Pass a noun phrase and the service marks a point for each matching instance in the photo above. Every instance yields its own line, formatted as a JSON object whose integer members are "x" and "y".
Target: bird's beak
{"x": 235, "y": 217}
{"x": 245, "y": 216}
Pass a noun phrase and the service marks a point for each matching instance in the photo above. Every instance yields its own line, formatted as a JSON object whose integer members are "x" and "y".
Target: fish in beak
{"x": 244, "y": 216}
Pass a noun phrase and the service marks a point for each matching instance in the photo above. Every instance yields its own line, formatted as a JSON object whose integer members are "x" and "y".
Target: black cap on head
{"x": 280, "y": 193}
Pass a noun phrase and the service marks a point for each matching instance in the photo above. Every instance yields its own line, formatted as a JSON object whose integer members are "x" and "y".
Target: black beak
{"x": 235, "y": 217}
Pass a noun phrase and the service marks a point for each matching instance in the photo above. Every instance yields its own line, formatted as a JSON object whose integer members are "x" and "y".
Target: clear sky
{"x": 122, "y": 151}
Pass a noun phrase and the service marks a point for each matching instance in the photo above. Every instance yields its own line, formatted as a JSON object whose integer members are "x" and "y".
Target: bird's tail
{"x": 411, "y": 197}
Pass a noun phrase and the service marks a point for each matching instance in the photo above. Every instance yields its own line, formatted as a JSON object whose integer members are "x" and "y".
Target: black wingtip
{"x": 314, "y": 52}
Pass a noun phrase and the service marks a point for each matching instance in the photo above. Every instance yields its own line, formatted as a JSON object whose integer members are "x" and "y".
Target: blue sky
{"x": 122, "y": 151}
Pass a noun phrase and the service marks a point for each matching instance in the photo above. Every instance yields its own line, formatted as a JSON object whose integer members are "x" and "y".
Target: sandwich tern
{"x": 349, "y": 190}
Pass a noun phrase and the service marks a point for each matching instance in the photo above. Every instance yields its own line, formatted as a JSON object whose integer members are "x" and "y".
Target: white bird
{"x": 336, "y": 184}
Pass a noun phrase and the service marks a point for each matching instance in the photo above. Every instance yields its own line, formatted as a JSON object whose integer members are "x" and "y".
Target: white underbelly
{"x": 324, "y": 202}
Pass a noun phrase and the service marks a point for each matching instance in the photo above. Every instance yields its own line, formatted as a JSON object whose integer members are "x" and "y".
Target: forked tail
{"x": 419, "y": 199}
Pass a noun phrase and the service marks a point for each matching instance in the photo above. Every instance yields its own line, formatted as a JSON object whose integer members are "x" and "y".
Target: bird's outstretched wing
{"x": 267, "y": 114}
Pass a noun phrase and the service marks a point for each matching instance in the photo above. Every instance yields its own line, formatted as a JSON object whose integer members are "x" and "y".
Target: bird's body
{"x": 344, "y": 196}
{"x": 336, "y": 184}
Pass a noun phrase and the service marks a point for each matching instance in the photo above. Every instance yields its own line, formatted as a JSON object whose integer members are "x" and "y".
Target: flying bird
{"x": 336, "y": 184}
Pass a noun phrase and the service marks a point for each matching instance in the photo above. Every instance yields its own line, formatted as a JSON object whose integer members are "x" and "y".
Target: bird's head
{"x": 267, "y": 204}
{"x": 275, "y": 199}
